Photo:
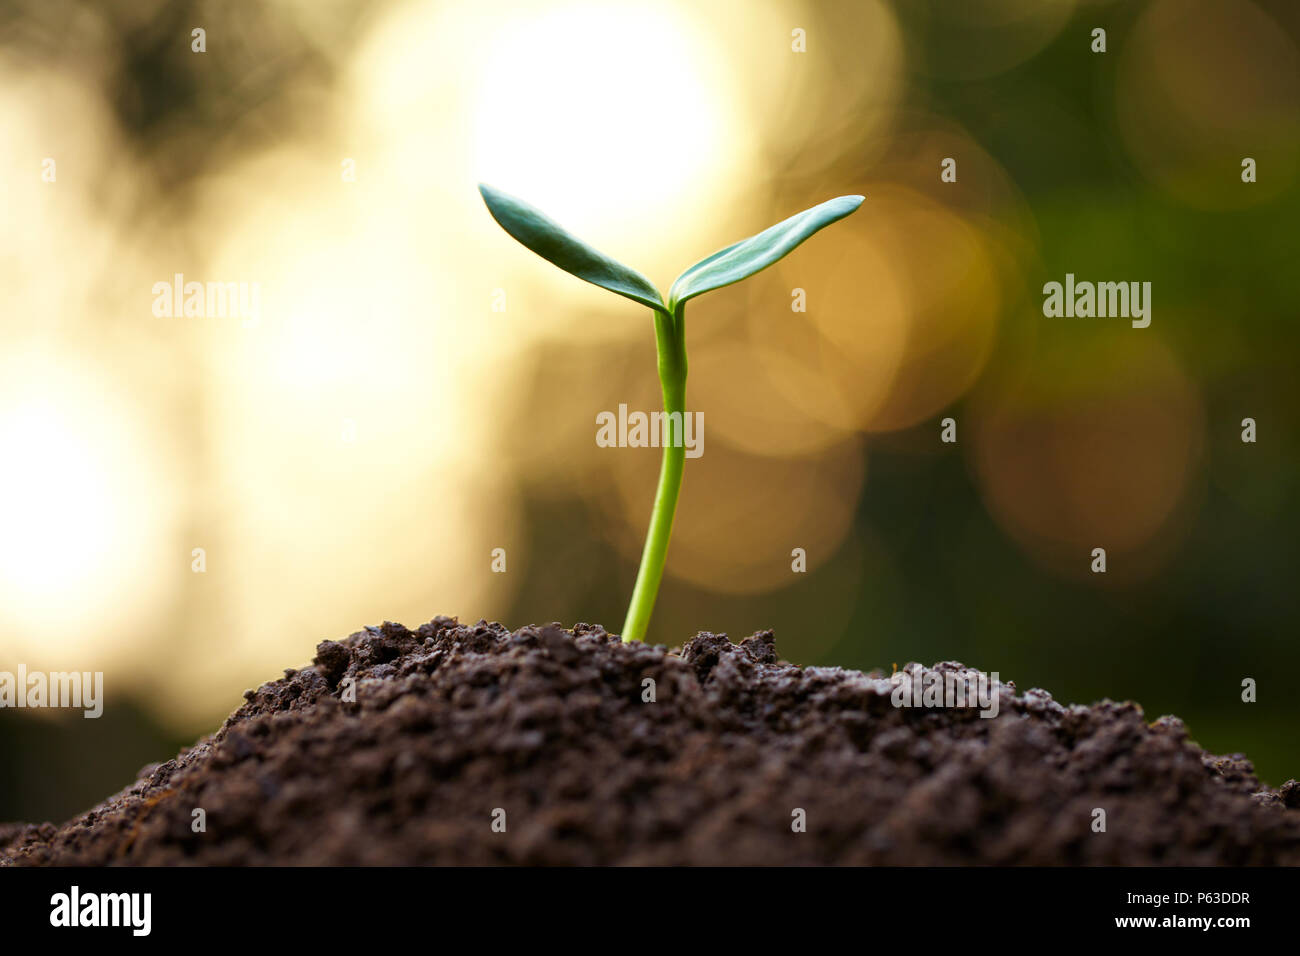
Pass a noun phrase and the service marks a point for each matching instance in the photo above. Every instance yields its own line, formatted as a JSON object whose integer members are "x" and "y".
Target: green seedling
{"x": 737, "y": 261}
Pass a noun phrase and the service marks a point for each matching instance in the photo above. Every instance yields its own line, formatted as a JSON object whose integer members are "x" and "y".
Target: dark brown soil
{"x": 452, "y": 723}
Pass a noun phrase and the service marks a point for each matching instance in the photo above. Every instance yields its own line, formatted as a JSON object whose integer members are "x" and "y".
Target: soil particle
{"x": 548, "y": 731}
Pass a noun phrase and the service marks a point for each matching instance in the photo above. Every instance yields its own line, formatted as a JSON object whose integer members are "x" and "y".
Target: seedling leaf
{"x": 553, "y": 243}
{"x": 742, "y": 259}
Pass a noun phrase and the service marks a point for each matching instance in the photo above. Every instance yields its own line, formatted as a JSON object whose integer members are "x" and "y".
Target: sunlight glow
{"x": 80, "y": 511}
{"x": 56, "y": 519}
{"x": 588, "y": 102}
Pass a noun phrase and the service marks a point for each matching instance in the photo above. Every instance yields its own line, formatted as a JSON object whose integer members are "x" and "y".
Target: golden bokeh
{"x": 1189, "y": 127}
{"x": 1093, "y": 445}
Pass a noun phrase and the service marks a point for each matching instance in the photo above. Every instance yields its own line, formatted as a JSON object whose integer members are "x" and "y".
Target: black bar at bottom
{"x": 925, "y": 906}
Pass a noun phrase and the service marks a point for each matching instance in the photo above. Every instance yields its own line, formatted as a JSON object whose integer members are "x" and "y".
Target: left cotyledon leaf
{"x": 553, "y": 243}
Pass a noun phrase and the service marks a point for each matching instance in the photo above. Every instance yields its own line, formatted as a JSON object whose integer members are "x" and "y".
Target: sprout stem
{"x": 670, "y": 337}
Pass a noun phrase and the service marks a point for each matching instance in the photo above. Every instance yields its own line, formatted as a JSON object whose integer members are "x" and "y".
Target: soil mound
{"x": 458, "y": 733}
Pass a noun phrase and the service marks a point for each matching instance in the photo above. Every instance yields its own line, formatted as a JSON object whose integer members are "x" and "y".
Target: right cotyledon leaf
{"x": 742, "y": 259}
{"x": 555, "y": 244}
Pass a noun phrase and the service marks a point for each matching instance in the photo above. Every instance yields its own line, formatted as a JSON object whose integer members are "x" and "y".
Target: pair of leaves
{"x": 738, "y": 261}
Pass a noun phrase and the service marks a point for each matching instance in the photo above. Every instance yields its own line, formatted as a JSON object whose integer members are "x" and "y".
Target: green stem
{"x": 670, "y": 337}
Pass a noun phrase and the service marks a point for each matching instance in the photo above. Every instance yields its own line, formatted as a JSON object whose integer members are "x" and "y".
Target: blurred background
{"x": 419, "y": 390}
